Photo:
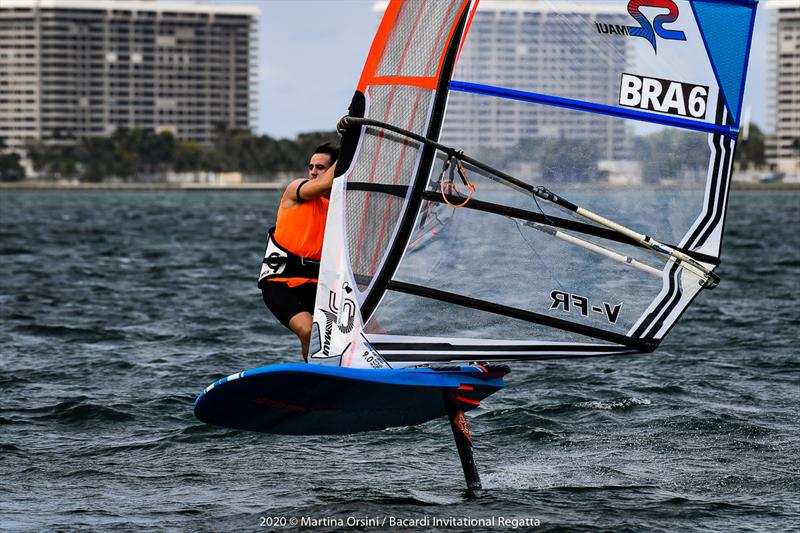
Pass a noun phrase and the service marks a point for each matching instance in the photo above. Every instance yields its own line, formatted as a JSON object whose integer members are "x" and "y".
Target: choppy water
{"x": 117, "y": 309}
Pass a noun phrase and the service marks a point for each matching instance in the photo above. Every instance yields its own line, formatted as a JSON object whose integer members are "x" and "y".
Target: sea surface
{"x": 117, "y": 309}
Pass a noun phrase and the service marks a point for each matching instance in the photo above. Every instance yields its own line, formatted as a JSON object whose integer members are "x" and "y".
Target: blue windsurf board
{"x": 306, "y": 399}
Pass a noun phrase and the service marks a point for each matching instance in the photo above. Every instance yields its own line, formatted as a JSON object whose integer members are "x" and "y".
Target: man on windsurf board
{"x": 289, "y": 272}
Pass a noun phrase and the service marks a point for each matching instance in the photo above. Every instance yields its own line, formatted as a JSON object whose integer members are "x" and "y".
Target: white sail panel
{"x": 336, "y": 336}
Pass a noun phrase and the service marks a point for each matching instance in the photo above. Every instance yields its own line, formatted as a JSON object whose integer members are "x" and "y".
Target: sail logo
{"x": 646, "y": 29}
{"x": 664, "y": 96}
{"x": 575, "y": 303}
{"x": 343, "y": 318}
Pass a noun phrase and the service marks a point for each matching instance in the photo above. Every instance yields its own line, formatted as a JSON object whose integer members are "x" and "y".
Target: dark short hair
{"x": 330, "y": 149}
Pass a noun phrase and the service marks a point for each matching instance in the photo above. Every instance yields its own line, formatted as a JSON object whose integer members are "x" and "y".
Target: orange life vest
{"x": 301, "y": 230}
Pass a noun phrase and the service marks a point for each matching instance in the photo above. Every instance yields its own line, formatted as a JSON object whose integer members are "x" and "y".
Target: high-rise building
{"x": 783, "y": 150}
{"x": 534, "y": 46}
{"x": 72, "y": 69}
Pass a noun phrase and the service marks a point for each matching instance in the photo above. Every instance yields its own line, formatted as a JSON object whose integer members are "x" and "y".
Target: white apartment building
{"x": 72, "y": 69}
{"x": 783, "y": 150}
{"x": 530, "y": 46}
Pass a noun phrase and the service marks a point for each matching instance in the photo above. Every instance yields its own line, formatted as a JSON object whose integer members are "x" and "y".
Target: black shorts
{"x": 285, "y": 302}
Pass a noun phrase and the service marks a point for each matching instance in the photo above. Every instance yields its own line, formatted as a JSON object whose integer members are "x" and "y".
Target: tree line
{"x": 136, "y": 154}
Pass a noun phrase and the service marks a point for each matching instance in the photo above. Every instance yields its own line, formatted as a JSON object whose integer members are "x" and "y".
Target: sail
{"x": 570, "y": 203}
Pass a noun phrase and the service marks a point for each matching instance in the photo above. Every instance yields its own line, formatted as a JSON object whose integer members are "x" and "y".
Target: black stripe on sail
{"x": 722, "y": 192}
{"x": 528, "y": 316}
{"x": 445, "y": 356}
{"x": 406, "y": 224}
{"x": 675, "y": 277}
{"x": 724, "y": 146}
{"x": 713, "y": 211}
{"x": 366, "y": 186}
{"x": 669, "y": 301}
{"x": 677, "y": 318}
{"x": 448, "y": 347}
{"x": 717, "y": 188}
{"x": 498, "y": 209}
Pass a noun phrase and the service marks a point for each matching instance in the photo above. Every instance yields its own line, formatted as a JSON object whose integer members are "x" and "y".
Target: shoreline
{"x": 37, "y": 185}
{"x": 43, "y": 185}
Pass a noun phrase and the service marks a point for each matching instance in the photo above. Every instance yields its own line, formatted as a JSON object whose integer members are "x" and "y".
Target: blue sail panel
{"x": 726, "y": 29}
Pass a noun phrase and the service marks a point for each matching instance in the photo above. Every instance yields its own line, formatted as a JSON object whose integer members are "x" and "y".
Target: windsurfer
{"x": 288, "y": 279}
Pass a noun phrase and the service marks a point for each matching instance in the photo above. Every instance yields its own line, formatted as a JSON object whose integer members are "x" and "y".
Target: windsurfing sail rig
{"x": 553, "y": 186}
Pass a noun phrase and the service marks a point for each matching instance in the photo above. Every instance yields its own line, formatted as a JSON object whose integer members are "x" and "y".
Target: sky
{"x": 311, "y": 53}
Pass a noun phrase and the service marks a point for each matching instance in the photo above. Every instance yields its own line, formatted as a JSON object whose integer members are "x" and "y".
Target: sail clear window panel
{"x": 652, "y": 181}
{"x": 407, "y": 314}
{"x": 580, "y": 49}
{"x": 495, "y": 259}
{"x": 666, "y": 214}
{"x": 417, "y": 38}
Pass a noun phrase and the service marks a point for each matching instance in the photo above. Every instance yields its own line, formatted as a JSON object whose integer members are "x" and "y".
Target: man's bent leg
{"x": 292, "y": 306}
{"x": 300, "y": 324}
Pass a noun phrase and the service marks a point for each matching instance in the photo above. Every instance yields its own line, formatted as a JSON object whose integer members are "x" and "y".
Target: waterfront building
{"x": 783, "y": 149}
{"x": 73, "y": 69}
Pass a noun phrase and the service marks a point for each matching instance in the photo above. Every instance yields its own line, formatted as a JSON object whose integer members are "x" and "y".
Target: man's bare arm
{"x": 310, "y": 189}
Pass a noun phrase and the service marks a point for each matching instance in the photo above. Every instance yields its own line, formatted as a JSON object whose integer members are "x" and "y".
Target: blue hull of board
{"x": 302, "y": 399}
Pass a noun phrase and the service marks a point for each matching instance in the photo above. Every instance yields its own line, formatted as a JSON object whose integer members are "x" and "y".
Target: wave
{"x": 82, "y": 411}
{"x": 73, "y": 334}
{"x": 609, "y": 405}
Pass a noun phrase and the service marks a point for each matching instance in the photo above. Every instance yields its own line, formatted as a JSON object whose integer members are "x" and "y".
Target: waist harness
{"x": 280, "y": 262}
